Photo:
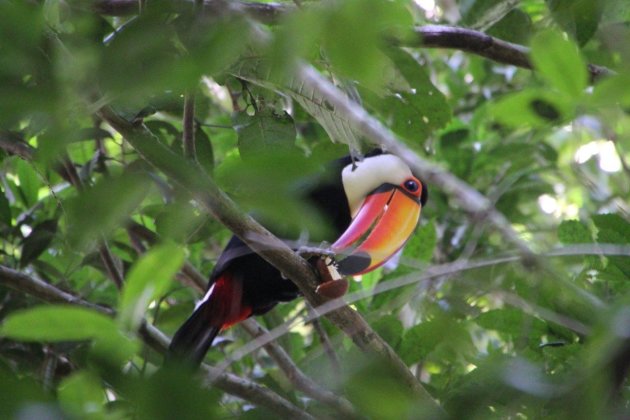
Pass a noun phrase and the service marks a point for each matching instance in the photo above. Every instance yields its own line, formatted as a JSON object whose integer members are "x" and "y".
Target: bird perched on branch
{"x": 373, "y": 205}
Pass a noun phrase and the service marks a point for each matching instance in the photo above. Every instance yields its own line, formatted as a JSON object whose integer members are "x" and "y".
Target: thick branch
{"x": 479, "y": 43}
{"x": 439, "y": 36}
{"x": 259, "y": 239}
{"x": 230, "y": 383}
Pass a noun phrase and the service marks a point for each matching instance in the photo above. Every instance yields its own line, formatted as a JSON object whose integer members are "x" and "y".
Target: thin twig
{"x": 326, "y": 344}
{"x": 296, "y": 376}
{"x": 449, "y": 269}
{"x": 112, "y": 266}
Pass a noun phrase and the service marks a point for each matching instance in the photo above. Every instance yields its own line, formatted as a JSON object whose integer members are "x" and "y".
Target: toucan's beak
{"x": 381, "y": 227}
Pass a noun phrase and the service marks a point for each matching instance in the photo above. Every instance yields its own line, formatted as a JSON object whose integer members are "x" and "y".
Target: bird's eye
{"x": 411, "y": 185}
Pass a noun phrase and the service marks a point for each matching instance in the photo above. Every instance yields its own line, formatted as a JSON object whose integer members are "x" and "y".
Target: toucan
{"x": 373, "y": 206}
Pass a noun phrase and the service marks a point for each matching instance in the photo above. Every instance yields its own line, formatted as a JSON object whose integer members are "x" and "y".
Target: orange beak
{"x": 383, "y": 224}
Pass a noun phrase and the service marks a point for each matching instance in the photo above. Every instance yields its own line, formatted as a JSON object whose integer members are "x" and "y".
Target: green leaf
{"x": 512, "y": 322}
{"x": 203, "y": 150}
{"x": 102, "y": 208}
{"x": 29, "y": 182}
{"x": 420, "y": 107}
{"x": 376, "y": 390}
{"x": 149, "y": 278}
{"x": 580, "y": 18}
{"x": 57, "y": 323}
{"x": 574, "y": 232}
{"x": 614, "y": 223}
{"x": 264, "y": 132}
{"x": 19, "y": 391}
{"x": 559, "y": 62}
{"x": 82, "y": 395}
{"x": 613, "y": 229}
{"x": 532, "y": 107}
{"x": 613, "y": 90}
{"x": 353, "y": 46}
{"x": 442, "y": 336}
{"x": 171, "y": 394}
{"x": 482, "y": 14}
{"x": 179, "y": 220}
{"x": 422, "y": 243}
{"x": 115, "y": 350}
{"x": 390, "y": 328}
{"x": 516, "y": 27}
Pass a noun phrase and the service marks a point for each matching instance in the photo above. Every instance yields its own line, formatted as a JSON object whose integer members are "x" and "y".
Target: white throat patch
{"x": 369, "y": 174}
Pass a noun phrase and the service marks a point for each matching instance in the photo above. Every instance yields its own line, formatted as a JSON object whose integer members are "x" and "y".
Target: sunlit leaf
{"x": 422, "y": 243}
{"x": 559, "y": 62}
{"x": 58, "y": 323}
{"x": 148, "y": 279}
{"x": 533, "y": 107}
{"x": 29, "y": 182}
{"x": 580, "y": 18}
{"x": 511, "y": 321}
{"x": 264, "y": 132}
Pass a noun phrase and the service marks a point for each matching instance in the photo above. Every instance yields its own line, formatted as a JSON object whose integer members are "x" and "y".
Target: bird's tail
{"x": 193, "y": 339}
{"x": 219, "y": 308}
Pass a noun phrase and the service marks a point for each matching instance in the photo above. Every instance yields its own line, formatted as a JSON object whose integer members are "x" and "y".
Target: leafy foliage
{"x": 489, "y": 334}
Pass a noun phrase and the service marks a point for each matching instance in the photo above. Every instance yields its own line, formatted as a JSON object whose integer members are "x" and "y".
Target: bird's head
{"x": 385, "y": 200}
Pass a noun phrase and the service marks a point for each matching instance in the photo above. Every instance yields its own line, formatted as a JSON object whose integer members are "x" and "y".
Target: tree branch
{"x": 188, "y": 126}
{"x": 434, "y": 272}
{"x": 273, "y": 250}
{"x": 429, "y": 36}
{"x": 240, "y": 387}
{"x": 296, "y": 376}
{"x": 479, "y": 43}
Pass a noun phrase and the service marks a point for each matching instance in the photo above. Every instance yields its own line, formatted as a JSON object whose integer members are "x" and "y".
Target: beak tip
{"x": 354, "y": 264}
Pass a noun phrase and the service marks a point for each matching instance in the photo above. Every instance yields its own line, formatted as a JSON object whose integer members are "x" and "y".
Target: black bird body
{"x": 243, "y": 284}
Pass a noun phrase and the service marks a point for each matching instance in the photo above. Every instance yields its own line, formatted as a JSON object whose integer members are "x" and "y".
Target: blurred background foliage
{"x": 491, "y": 338}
